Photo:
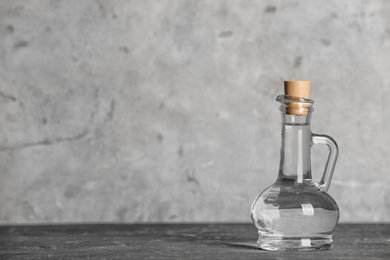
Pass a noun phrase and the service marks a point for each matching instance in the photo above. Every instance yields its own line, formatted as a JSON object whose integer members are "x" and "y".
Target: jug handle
{"x": 330, "y": 161}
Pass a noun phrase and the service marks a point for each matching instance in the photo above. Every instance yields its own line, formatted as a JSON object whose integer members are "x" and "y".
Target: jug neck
{"x": 295, "y": 162}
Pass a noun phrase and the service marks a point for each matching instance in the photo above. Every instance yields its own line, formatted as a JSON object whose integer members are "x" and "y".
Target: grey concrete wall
{"x": 142, "y": 111}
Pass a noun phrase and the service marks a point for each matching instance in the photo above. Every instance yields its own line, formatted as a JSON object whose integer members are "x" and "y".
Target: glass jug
{"x": 295, "y": 213}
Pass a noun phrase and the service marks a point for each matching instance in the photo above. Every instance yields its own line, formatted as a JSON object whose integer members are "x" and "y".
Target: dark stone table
{"x": 180, "y": 241}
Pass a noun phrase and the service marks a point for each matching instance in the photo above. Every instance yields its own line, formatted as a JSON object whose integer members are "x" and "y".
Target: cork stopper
{"x": 297, "y": 88}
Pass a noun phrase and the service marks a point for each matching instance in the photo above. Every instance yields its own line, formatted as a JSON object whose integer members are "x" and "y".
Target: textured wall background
{"x": 164, "y": 110}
